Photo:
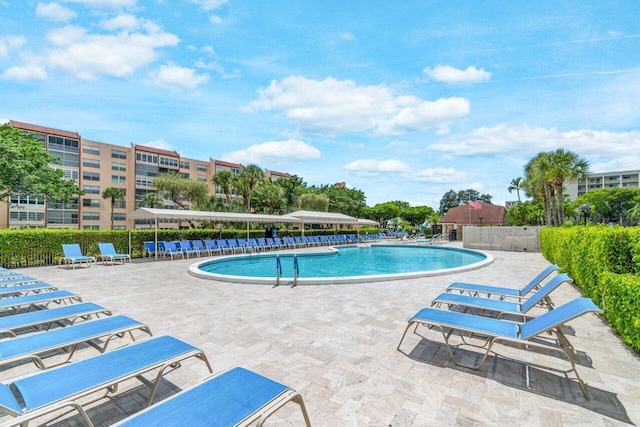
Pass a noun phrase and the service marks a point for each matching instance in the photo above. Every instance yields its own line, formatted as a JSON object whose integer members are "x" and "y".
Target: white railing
{"x": 519, "y": 239}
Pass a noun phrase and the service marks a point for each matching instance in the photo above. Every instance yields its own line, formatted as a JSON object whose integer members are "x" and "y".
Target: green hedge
{"x": 605, "y": 263}
{"x": 28, "y": 248}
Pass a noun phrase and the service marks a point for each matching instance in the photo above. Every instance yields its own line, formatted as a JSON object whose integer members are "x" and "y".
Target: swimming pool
{"x": 346, "y": 264}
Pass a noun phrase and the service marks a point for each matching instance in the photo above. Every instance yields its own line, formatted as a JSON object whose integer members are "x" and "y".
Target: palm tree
{"x": 116, "y": 195}
{"x": 516, "y": 184}
{"x": 270, "y": 194}
{"x": 565, "y": 166}
{"x": 224, "y": 180}
{"x": 152, "y": 200}
{"x": 537, "y": 183}
{"x": 251, "y": 175}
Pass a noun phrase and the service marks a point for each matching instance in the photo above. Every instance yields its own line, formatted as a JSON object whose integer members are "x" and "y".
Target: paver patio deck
{"x": 336, "y": 345}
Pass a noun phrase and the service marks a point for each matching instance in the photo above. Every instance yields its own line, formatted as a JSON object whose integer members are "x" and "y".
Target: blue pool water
{"x": 345, "y": 264}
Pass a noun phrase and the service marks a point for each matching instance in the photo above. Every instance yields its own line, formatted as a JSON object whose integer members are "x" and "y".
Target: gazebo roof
{"x": 186, "y": 215}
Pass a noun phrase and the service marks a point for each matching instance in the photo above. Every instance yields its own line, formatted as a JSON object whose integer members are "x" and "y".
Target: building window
{"x": 91, "y": 163}
{"x": 201, "y": 168}
{"x": 63, "y": 144}
{"x": 26, "y": 216}
{"x": 62, "y": 217}
{"x": 201, "y": 178}
{"x": 90, "y": 176}
{"x": 119, "y": 227}
{"x": 118, "y": 166}
{"x": 148, "y": 158}
{"x": 91, "y": 227}
{"x": 26, "y": 200}
{"x": 117, "y": 154}
{"x": 66, "y": 159}
{"x": 91, "y": 189}
{"x": 91, "y": 216}
{"x": 118, "y": 179}
{"x": 120, "y": 204}
{"x": 119, "y": 216}
{"x": 184, "y": 165}
{"x": 91, "y": 203}
{"x": 166, "y": 161}
{"x": 184, "y": 175}
{"x": 144, "y": 182}
{"x": 91, "y": 149}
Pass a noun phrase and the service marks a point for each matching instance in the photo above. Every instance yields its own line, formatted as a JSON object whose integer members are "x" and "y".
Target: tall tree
{"x": 292, "y": 188}
{"x": 152, "y": 200}
{"x": 516, "y": 184}
{"x": 537, "y": 183}
{"x": 314, "y": 202}
{"x": 179, "y": 189}
{"x": 269, "y": 195}
{"x": 24, "y": 168}
{"x": 115, "y": 195}
{"x": 251, "y": 175}
{"x": 224, "y": 179}
{"x": 565, "y": 166}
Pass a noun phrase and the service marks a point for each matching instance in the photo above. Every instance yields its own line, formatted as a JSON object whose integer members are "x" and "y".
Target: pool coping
{"x": 194, "y": 270}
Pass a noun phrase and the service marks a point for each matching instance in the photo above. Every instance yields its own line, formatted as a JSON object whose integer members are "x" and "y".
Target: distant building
{"x": 459, "y": 216}
{"x": 96, "y": 166}
{"x": 597, "y": 181}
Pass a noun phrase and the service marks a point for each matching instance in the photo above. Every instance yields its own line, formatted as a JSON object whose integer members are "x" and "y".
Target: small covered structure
{"x": 457, "y": 217}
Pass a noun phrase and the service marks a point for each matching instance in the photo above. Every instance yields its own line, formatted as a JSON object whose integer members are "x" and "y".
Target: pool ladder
{"x": 296, "y": 270}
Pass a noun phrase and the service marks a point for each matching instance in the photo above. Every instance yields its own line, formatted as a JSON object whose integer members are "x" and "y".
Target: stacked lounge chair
{"x": 478, "y": 330}
{"x": 235, "y": 397}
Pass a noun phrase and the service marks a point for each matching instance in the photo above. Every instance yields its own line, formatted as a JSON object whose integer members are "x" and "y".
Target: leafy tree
{"x": 292, "y": 188}
{"x": 115, "y": 195}
{"x": 516, "y": 184}
{"x": 179, "y": 189}
{"x": 526, "y": 213}
{"x": 611, "y": 204}
{"x": 224, "y": 179}
{"x": 241, "y": 186}
{"x": 401, "y": 204}
{"x": 538, "y": 185}
{"x": 268, "y": 194}
{"x": 565, "y": 166}
{"x": 314, "y": 202}
{"x": 24, "y": 168}
{"x": 342, "y": 199}
{"x": 251, "y": 175}
{"x": 152, "y": 200}
{"x": 416, "y": 215}
{"x": 451, "y": 199}
{"x": 382, "y": 212}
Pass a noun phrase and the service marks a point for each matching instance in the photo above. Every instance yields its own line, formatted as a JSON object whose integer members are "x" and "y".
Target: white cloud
{"x": 437, "y": 175}
{"x": 9, "y": 43}
{"x": 218, "y": 68}
{"x": 89, "y": 56}
{"x": 371, "y": 165}
{"x": 448, "y": 74}
{"x": 347, "y": 36}
{"x": 124, "y": 21}
{"x": 27, "y": 72}
{"x": 160, "y": 144}
{"x": 528, "y": 141}
{"x": 209, "y": 4}
{"x": 215, "y": 19}
{"x": 291, "y": 151}
{"x": 105, "y": 4}
{"x": 335, "y": 107}
{"x": 172, "y": 76}
{"x": 55, "y": 12}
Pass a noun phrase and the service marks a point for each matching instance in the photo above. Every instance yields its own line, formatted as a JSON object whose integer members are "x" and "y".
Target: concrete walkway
{"x": 336, "y": 344}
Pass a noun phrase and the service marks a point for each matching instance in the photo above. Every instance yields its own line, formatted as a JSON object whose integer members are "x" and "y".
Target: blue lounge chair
{"x": 33, "y": 346}
{"x": 36, "y": 288}
{"x": 529, "y": 334}
{"x": 40, "y": 320}
{"x": 186, "y": 247}
{"x": 66, "y": 386}
{"x": 150, "y": 249}
{"x": 300, "y": 242}
{"x": 235, "y": 247}
{"x": 108, "y": 253}
{"x": 41, "y": 300}
{"x": 9, "y": 275}
{"x": 255, "y": 246}
{"x": 279, "y": 243}
{"x": 237, "y": 397}
{"x": 202, "y": 249}
{"x": 497, "y": 307}
{"x": 262, "y": 241}
{"x": 171, "y": 249}
{"x": 244, "y": 245}
{"x": 73, "y": 255}
{"x": 212, "y": 245}
{"x": 502, "y": 292}
{"x": 18, "y": 281}
{"x": 224, "y": 247}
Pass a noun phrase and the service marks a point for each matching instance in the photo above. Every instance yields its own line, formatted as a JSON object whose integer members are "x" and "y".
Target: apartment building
{"x": 597, "y": 181}
{"x": 96, "y": 166}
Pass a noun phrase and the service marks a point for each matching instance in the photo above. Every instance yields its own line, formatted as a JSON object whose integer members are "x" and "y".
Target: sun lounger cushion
{"x": 68, "y": 383}
{"x": 226, "y": 399}
{"x": 34, "y": 299}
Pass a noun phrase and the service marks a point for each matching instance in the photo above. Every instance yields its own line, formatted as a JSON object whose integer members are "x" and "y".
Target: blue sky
{"x": 402, "y": 100}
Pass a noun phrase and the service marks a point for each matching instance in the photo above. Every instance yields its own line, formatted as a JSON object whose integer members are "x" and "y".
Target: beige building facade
{"x": 597, "y": 181}
{"x": 96, "y": 166}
